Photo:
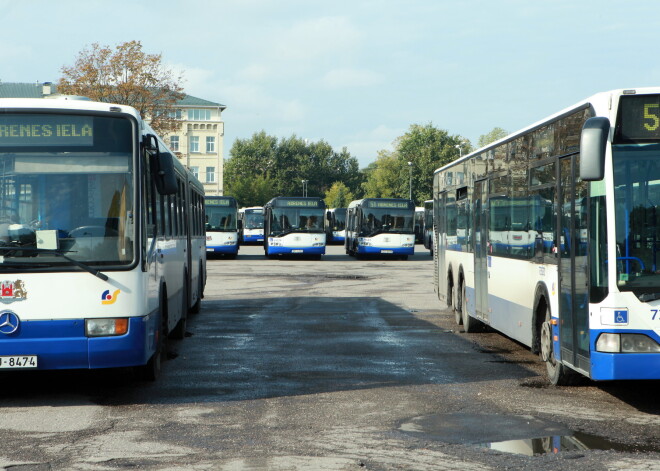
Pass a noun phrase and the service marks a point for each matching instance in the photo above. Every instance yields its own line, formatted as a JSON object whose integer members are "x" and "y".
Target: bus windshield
{"x": 253, "y": 220}
{"x": 220, "y": 218}
{"x": 71, "y": 193}
{"x": 379, "y": 220}
{"x": 637, "y": 197}
{"x": 287, "y": 220}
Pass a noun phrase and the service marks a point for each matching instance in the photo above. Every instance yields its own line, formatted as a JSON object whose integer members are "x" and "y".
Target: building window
{"x": 199, "y": 115}
{"x": 210, "y": 174}
{"x": 194, "y": 143}
{"x": 210, "y": 144}
{"x": 195, "y": 171}
{"x": 174, "y": 143}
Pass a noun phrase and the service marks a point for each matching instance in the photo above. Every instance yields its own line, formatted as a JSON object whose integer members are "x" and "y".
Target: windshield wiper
{"x": 59, "y": 253}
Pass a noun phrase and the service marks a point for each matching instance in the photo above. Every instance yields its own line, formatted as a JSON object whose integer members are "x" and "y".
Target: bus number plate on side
{"x": 387, "y": 251}
{"x": 297, "y": 251}
{"x": 22, "y": 361}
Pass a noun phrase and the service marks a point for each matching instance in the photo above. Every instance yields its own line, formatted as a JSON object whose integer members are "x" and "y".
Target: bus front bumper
{"x": 385, "y": 250}
{"x": 296, "y": 250}
{"x": 62, "y": 344}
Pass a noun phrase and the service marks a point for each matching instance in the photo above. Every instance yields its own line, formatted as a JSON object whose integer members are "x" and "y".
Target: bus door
{"x": 480, "y": 224}
{"x": 441, "y": 236}
{"x": 573, "y": 274}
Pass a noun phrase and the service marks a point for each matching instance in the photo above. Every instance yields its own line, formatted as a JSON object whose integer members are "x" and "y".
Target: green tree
{"x": 126, "y": 76}
{"x": 286, "y": 162}
{"x": 417, "y": 154}
{"x": 495, "y": 135}
{"x": 338, "y": 196}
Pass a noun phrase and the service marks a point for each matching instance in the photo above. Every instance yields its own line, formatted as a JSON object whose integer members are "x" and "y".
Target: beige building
{"x": 199, "y": 143}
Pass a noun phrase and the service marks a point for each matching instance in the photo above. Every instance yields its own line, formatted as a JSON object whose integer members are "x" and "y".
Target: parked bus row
{"x": 551, "y": 236}
{"x": 102, "y": 247}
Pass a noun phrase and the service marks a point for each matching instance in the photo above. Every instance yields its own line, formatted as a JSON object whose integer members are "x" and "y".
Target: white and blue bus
{"x": 335, "y": 228}
{"x": 251, "y": 225}
{"x": 221, "y": 226}
{"x": 294, "y": 225}
{"x": 102, "y": 249}
{"x": 551, "y": 236}
{"x": 383, "y": 226}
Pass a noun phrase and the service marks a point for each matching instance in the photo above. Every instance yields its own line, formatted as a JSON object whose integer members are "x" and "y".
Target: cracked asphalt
{"x": 338, "y": 364}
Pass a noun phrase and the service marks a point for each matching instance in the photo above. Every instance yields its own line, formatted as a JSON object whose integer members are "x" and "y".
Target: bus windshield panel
{"x": 297, "y": 215}
{"x": 67, "y": 185}
{"x": 253, "y": 219}
{"x": 383, "y": 216}
{"x": 220, "y": 215}
{"x": 637, "y": 197}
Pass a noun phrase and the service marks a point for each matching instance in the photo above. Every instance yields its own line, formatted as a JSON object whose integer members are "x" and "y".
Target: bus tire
{"x": 458, "y": 312}
{"x": 179, "y": 331}
{"x": 558, "y": 374}
{"x": 470, "y": 324}
{"x": 200, "y": 290}
{"x": 153, "y": 369}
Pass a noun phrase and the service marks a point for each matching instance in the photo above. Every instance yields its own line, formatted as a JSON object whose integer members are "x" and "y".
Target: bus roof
{"x": 600, "y": 102}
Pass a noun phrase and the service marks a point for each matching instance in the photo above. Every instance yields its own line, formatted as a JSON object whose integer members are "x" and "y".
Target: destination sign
{"x": 389, "y": 204}
{"x": 217, "y": 202}
{"x": 46, "y": 130}
{"x": 639, "y": 118}
{"x": 301, "y": 203}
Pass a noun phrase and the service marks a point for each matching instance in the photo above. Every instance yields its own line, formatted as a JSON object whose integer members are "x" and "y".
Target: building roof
{"x": 22, "y": 90}
{"x": 35, "y": 90}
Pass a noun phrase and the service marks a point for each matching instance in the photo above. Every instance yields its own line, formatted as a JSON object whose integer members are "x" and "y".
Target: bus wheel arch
{"x": 541, "y": 303}
{"x": 461, "y": 309}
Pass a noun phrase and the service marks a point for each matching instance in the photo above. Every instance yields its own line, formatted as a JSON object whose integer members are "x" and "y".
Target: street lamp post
{"x": 460, "y": 150}
{"x": 410, "y": 183}
{"x": 304, "y": 185}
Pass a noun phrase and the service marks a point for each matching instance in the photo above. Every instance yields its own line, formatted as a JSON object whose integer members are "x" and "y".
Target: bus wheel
{"x": 470, "y": 324}
{"x": 458, "y": 313}
{"x": 179, "y": 331}
{"x": 152, "y": 370}
{"x": 558, "y": 374}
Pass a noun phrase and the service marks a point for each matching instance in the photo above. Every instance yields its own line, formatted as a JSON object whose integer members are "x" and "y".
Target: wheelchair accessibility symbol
{"x": 621, "y": 317}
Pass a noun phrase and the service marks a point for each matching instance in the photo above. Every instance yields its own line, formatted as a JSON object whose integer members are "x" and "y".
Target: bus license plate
{"x": 22, "y": 361}
{"x": 297, "y": 251}
{"x": 387, "y": 251}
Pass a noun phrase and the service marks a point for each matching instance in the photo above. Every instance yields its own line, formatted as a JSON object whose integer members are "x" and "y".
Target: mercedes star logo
{"x": 8, "y": 322}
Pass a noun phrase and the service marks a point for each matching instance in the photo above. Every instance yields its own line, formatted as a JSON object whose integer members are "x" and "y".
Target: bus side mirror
{"x": 240, "y": 225}
{"x": 593, "y": 143}
{"x": 164, "y": 175}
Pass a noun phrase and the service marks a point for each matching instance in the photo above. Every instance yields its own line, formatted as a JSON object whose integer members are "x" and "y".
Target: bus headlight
{"x": 105, "y": 327}
{"x": 626, "y": 343}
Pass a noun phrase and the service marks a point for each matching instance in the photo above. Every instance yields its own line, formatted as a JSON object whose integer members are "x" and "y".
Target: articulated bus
{"x": 551, "y": 236}
{"x": 252, "y": 225}
{"x": 383, "y": 226}
{"x": 335, "y": 229}
{"x": 102, "y": 249}
{"x": 294, "y": 225}
{"x": 221, "y": 226}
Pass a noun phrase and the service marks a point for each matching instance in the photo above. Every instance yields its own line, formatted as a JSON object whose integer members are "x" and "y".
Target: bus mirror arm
{"x": 593, "y": 144}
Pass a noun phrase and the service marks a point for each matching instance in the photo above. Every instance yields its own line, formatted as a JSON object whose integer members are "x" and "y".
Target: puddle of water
{"x": 511, "y": 434}
{"x": 563, "y": 443}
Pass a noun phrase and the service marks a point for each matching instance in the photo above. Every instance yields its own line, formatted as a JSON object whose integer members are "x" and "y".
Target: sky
{"x": 357, "y": 74}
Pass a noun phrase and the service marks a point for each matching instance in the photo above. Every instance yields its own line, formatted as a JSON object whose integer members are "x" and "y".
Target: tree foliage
{"x": 283, "y": 164}
{"x": 126, "y": 76}
{"x": 426, "y": 148}
{"x": 495, "y": 135}
{"x": 338, "y": 196}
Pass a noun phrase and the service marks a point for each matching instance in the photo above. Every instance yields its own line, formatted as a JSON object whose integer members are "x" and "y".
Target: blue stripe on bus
{"x": 290, "y": 250}
{"x": 389, "y": 250}
{"x": 230, "y": 249}
{"x": 253, "y": 238}
{"x": 62, "y": 344}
